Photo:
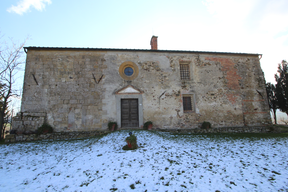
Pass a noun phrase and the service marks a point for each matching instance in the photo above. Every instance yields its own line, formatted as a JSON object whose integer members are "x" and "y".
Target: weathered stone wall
{"x": 80, "y": 134}
{"x": 26, "y": 122}
{"x": 76, "y": 88}
{"x": 67, "y": 86}
{"x": 53, "y": 136}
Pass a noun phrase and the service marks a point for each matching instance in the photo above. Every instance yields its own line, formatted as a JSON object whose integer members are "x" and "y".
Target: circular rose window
{"x": 128, "y": 70}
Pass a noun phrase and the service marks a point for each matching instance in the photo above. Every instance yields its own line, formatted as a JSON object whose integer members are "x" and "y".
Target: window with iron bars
{"x": 188, "y": 103}
{"x": 184, "y": 72}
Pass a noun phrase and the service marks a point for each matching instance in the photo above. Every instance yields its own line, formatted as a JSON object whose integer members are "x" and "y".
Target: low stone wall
{"x": 264, "y": 129}
{"x": 79, "y": 135}
{"x": 52, "y": 136}
{"x": 25, "y": 122}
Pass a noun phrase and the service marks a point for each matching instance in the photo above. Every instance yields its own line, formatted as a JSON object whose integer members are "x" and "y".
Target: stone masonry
{"x": 79, "y": 89}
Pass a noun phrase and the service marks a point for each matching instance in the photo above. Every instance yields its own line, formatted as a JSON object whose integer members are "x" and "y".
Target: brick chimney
{"x": 153, "y": 43}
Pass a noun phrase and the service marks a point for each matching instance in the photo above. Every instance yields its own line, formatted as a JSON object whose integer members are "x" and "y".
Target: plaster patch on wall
{"x": 149, "y": 65}
{"x": 231, "y": 72}
{"x": 173, "y": 62}
{"x": 231, "y": 75}
{"x": 232, "y": 97}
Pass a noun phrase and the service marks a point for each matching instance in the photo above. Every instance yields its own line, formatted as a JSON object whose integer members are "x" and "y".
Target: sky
{"x": 246, "y": 26}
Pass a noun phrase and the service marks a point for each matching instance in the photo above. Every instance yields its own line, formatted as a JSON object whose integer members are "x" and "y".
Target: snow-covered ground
{"x": 163, "y": 162}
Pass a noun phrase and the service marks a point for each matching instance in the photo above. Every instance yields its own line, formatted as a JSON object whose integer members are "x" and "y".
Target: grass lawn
{"x": 163, "y": 162}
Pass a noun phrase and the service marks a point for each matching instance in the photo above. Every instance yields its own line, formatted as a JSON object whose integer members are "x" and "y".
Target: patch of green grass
{"x": 56, "y": 174}
{"x": 284, "y": 127}
{"x": 132, "y": 186}
{"x": 66, "y": 187}
{"x": 183, "y": 186}
{"x": 84, "y": 183}
{"x": 276, "y": 172}
{"x": 230, "y": 135}
{"x": 254, "y": 184}
{"x": 2, "y": 141}
{"x": 172, "y": 161}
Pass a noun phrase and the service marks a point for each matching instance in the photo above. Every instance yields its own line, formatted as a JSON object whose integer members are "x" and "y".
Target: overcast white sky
{"x": 248, "y": 26}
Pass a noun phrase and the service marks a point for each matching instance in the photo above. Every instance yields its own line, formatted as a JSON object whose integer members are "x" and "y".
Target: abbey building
{"x": 82, "y": 89}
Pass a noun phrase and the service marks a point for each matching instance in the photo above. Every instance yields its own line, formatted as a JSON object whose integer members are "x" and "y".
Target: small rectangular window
{"x": 188, "y": 103}
{"x": 184, "y": 72}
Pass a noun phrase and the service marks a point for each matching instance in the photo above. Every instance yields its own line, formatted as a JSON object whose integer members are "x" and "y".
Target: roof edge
{"x": 135, "y": 50}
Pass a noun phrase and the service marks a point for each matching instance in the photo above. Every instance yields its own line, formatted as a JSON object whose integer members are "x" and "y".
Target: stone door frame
{"x": 129, "y": 96}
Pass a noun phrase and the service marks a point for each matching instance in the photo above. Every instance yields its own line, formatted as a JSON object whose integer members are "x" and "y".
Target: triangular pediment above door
{"x": 129, "y": 89}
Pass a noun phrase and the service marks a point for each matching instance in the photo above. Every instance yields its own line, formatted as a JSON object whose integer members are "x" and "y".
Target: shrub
{"x": 45, "y": 128}
{"x": 271, "y": 129}
{"x": 110, "y": 125}
{"x": 13, "y": 131}
{"x": 206, "y": 125}
{"x": 131, "y": 139}
{"x": 146, "y": 124}
{"x": 131, "y": 142}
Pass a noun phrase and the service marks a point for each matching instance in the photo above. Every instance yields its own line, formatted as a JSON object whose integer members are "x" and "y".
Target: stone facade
{"x": 81, "y": 89}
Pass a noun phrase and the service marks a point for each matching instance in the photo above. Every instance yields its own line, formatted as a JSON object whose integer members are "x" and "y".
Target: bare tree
{"x": 11, "y": 60}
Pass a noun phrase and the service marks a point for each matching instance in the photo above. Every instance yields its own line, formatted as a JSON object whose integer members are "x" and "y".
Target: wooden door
{"x": 129, "y": 113}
